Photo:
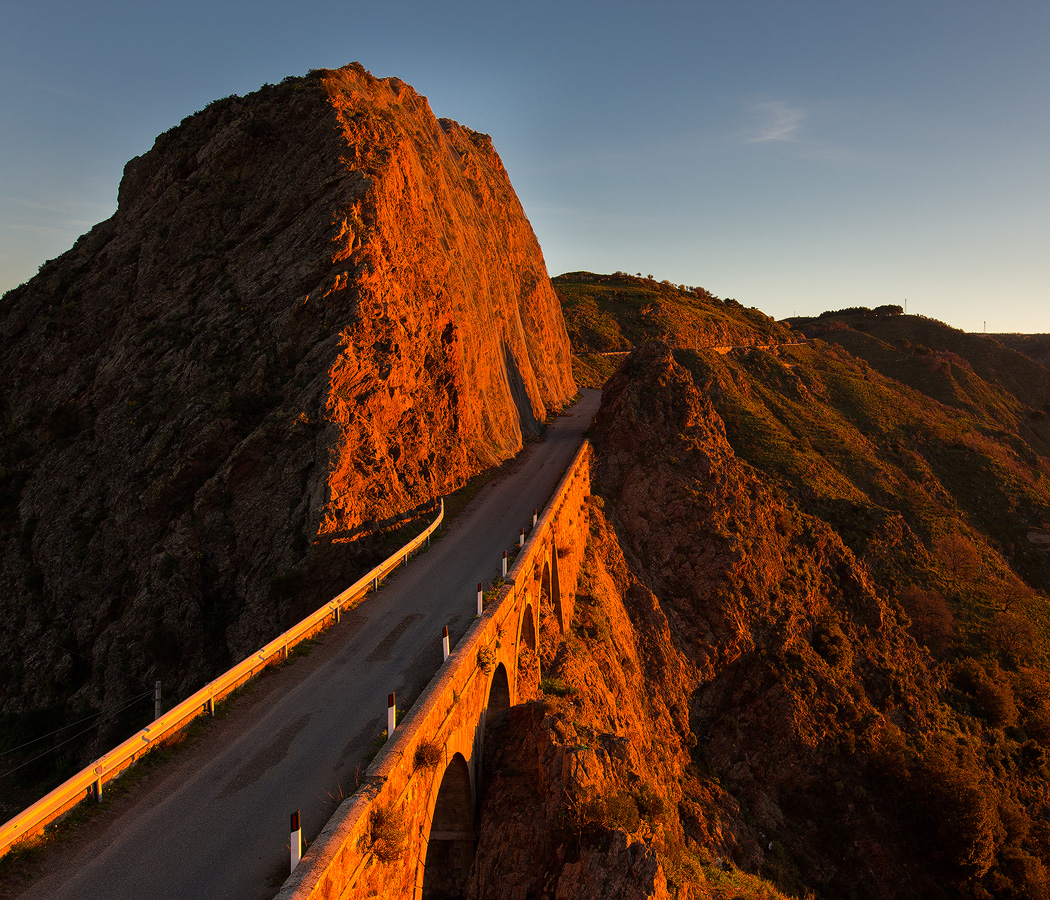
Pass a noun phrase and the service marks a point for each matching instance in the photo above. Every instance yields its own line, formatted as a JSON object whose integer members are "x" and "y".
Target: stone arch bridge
{"x": 408, "y": 831}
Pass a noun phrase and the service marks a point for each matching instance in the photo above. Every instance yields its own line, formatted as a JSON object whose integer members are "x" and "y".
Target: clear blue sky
{"x": 797, "y": 156}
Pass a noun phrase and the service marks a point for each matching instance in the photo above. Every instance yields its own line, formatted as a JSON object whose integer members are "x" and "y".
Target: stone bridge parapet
{"x": 409, "y": 829}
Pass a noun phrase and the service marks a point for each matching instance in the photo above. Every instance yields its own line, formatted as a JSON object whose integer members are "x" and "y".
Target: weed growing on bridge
{"x": 429, "y": 755}
{"x": 493, "y": 592}
{"x": 486, "y": 659}
{"x": 387, "y": 833}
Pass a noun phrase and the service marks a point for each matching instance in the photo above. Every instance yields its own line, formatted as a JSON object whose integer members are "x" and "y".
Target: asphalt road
{"x": 216, "y": 824}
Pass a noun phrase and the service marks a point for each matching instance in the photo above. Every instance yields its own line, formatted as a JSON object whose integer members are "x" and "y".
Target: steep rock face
{"x": 452, "y": 300}
{"x": 316, "y": 308}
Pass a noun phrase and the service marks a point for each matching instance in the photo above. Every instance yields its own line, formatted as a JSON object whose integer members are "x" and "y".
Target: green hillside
{"x": 607, "y": 315}
{"x": 903, "y": 473}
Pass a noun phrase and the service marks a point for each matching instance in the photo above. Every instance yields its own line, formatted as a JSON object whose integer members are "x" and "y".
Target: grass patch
{"x": 493, "y": 592}
{"x": 732, "y": 884}
{"x": 554, "y": 686}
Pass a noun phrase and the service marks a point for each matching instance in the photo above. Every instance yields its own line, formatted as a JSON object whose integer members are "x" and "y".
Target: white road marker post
{"x": 521, "y": 538}
{"x": 297, "y": 841}
{"x": 444, "y": 644}
{"x": 391, "y": 717}
{"x": 504, "y": 563}
{"x": 481, "y": 599}
{"x": 156, "y": 701}
{"x": 535, "y": 517}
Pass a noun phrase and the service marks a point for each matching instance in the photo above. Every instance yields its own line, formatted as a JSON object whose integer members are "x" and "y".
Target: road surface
{"x": 215, "y": 827}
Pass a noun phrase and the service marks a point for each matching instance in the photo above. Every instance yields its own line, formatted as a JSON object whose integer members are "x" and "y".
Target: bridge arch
{"x": 550, "y": 587}
{"x": 449, "y": 852}
{"x": 499, "y": 691}
{"x": 527, "y": 658}
{"x": 527, "y": 628}
{"x": 559, "y": 607}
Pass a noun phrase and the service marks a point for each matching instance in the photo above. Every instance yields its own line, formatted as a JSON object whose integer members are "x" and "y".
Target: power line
{"x": 63, "y": 728}
{"x": 79, "y": 734}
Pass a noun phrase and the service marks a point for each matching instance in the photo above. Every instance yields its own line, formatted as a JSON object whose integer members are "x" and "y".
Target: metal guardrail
{"x": 88, "y": 781}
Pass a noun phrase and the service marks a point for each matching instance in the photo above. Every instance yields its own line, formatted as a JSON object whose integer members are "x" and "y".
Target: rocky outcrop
{"x": 581, "y": 783}
{"x": 792, "y": 646}
{"x": 316, "y": 308}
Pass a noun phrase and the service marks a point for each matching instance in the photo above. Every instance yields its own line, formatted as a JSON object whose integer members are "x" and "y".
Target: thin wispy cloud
{"x": 807, "y": 133}
{"x": 777, "y": 122}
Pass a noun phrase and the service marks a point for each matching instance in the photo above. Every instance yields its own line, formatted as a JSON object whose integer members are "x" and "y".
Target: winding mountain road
{"x": 213, "y": 824}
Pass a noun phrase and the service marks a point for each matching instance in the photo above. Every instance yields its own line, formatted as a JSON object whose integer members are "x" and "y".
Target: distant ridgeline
{"x": 608, "y": 315}
{"x": 889, "y": 309}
